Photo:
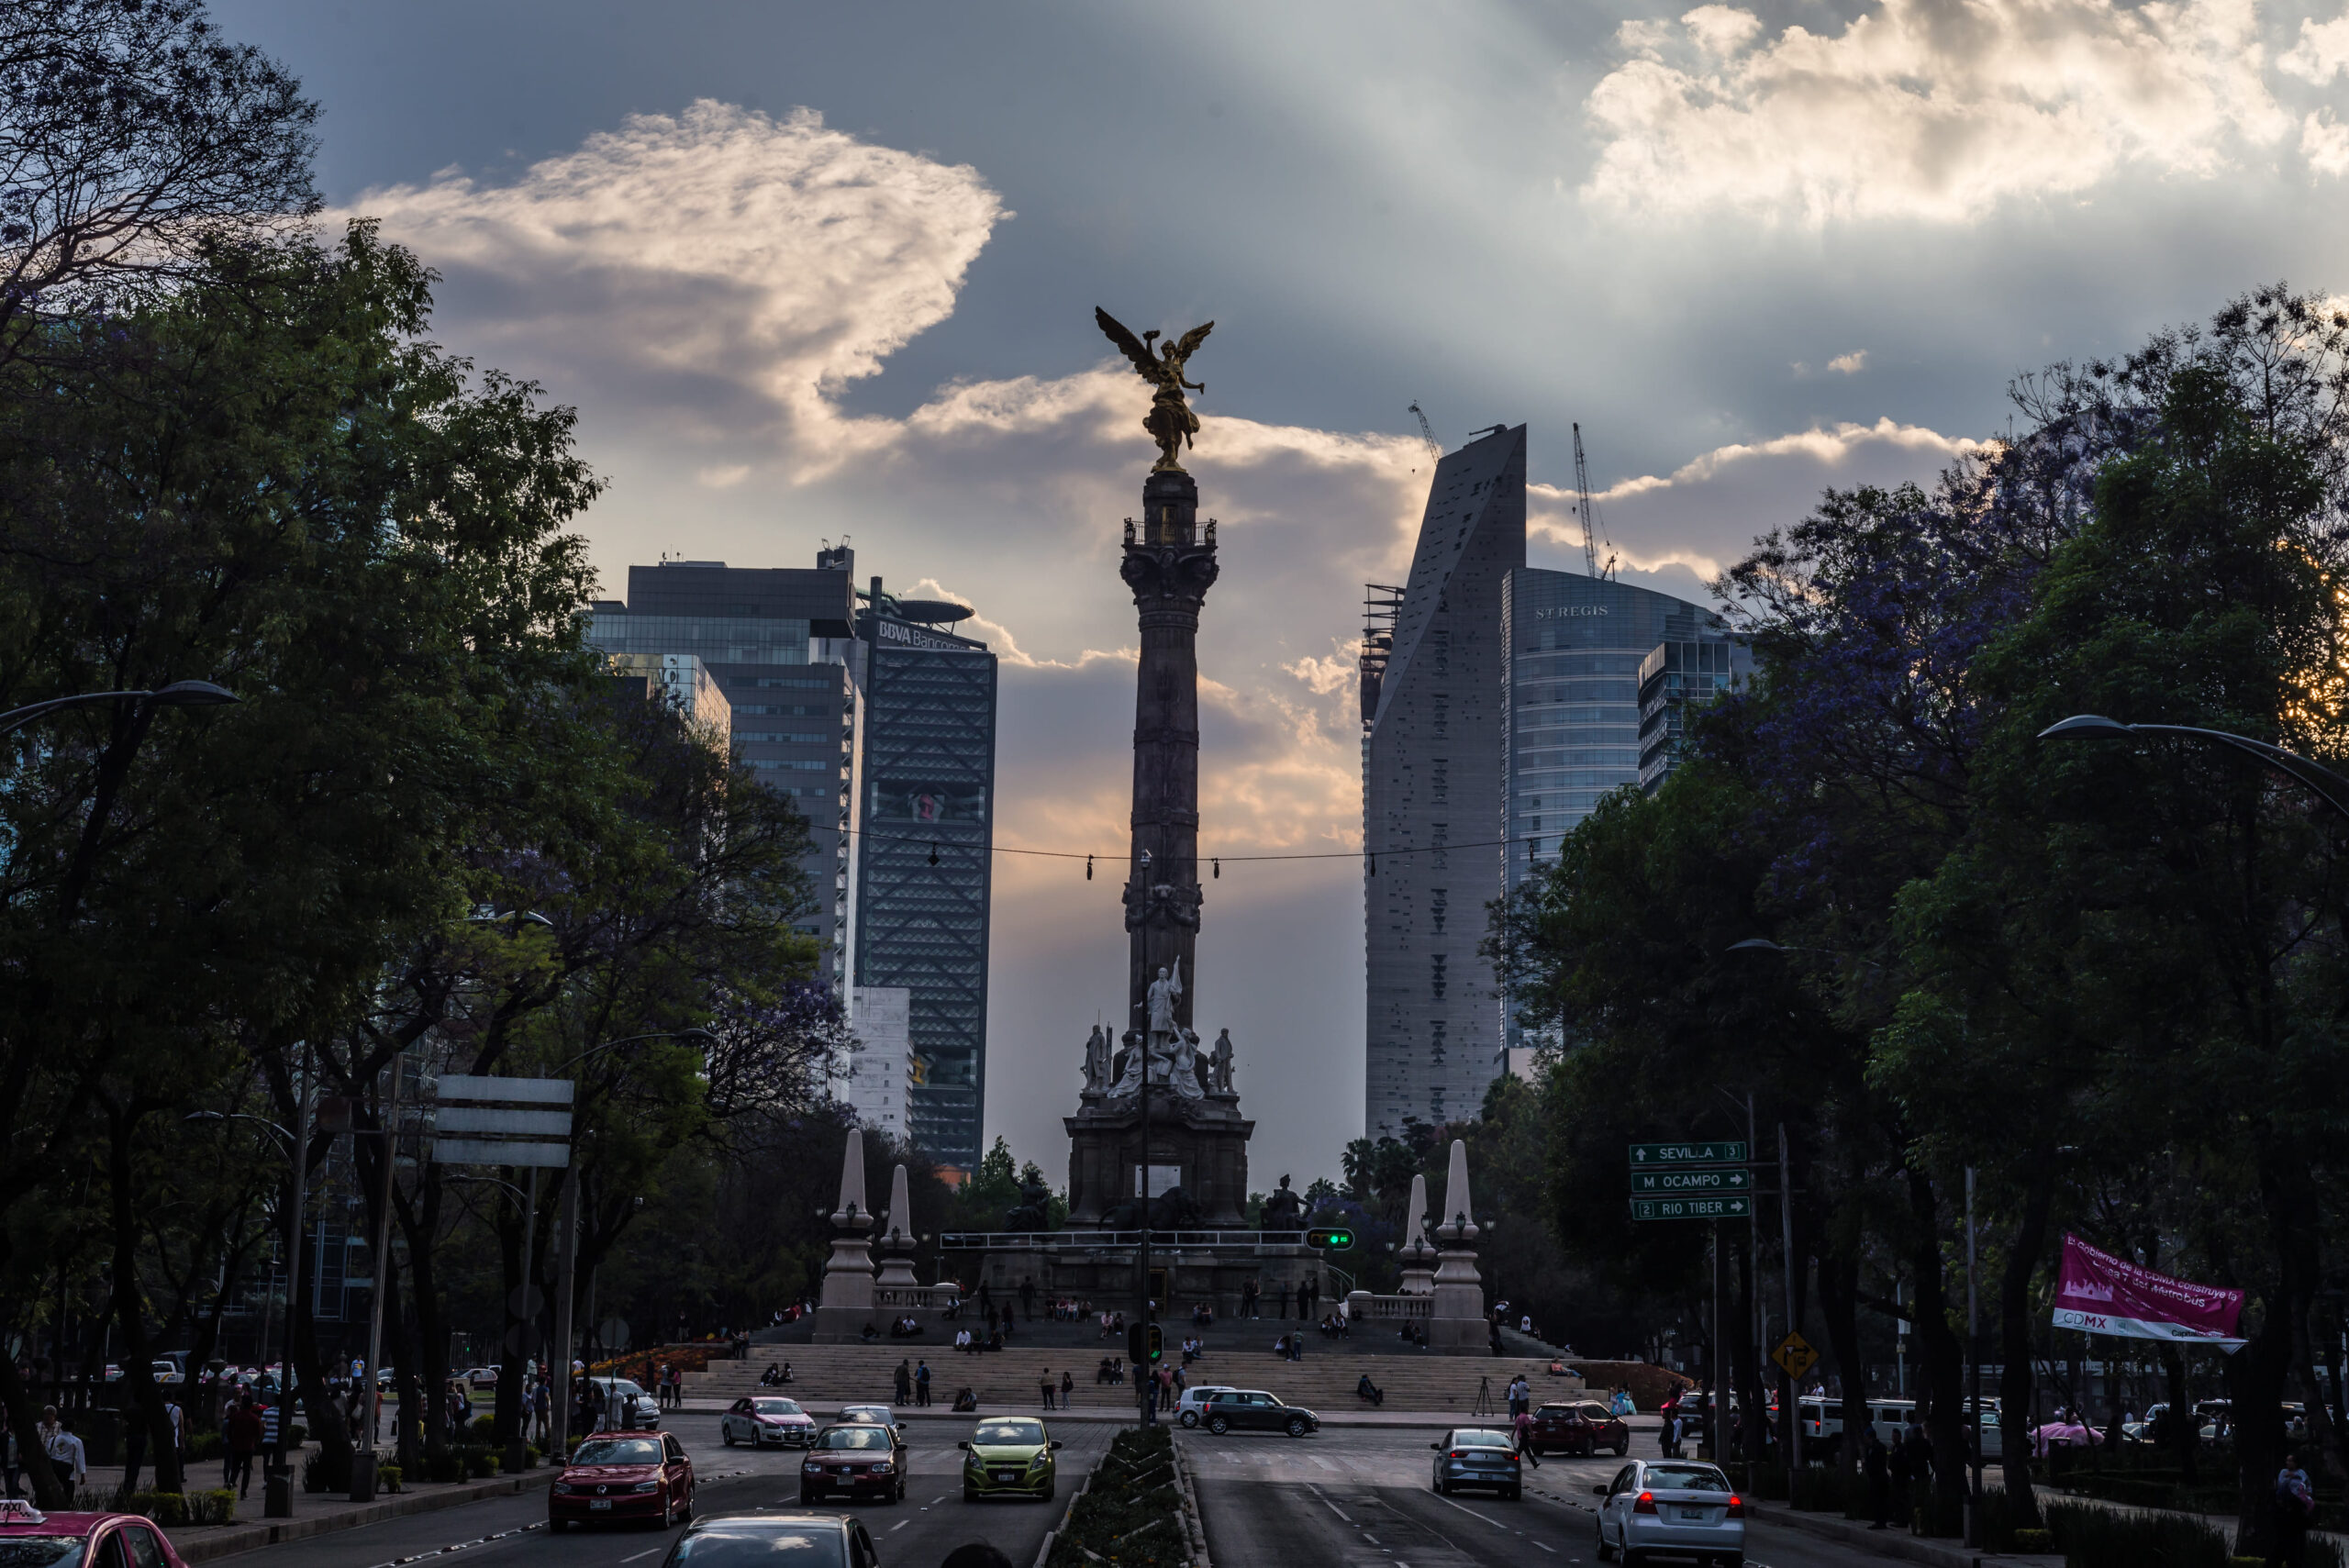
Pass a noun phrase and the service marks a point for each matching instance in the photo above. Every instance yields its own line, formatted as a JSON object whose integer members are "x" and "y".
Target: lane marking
{"x": 463, "y": 1546}
{"x": 1470, "y": 1512}
{"x": 1551, "y": 1549}
{"x": 899, "y": 1526}
{"x": 641, "y": 1555}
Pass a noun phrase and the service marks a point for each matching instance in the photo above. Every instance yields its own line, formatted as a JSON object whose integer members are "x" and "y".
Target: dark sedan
{"x": 1253, "y": 1410}
{"x": 1582, "y": 1428}
{"x": 855, "y": 1459}
{"x": 636, "y": 1476}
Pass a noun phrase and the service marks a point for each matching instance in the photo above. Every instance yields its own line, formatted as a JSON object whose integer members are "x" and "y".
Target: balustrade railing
{"x": 1091, "y": 1240}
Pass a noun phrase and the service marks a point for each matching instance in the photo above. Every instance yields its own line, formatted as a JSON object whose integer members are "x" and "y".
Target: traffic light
{"x": 1157, "y": 1344}
{"x": 1336, "y": 1240}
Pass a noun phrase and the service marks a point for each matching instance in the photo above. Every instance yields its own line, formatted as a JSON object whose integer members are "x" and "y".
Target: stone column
{"x": 846, "y": 1304}
{"x": 1417, "y": 1257}
{"x": 1170, "y": 568}
{"x": 1459, "y": 1323}
{"x": 896, "y": 1243}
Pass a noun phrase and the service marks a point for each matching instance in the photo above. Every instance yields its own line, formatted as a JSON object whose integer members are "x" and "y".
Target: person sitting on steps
{"x": 1366, "y": 1389}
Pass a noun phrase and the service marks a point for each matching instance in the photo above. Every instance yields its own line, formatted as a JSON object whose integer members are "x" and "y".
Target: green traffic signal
{"x": 1336, "y": 1240}
{"x": 1157, "y": 1347}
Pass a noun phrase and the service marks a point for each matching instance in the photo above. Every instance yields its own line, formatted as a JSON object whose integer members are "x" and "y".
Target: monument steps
{"x": 1005, "y": 1380}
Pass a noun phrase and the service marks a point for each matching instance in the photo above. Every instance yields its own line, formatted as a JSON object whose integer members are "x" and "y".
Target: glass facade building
{"x": 1573, "y": 651}
{"x": 1674, "y": 678}
{"x": 779, "y": 644}
{"x": 924, "y": 868}
{"x": 1575, "y": 647}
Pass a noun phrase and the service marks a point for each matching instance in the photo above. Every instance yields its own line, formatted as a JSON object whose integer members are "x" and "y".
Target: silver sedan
{"x": 1477, "y": 1456}
{"x": 1671, "y": 1506}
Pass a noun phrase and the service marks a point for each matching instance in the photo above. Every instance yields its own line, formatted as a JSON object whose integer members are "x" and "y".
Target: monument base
{"x": 1096, "y": 1269}
{"x": 1201, "y": 1144}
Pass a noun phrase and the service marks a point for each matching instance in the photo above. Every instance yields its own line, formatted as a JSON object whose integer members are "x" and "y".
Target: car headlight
{"x": 646, "y": 1486}
{"x": 1043, "y": 1456}
{"x": 812, "y": 1468}
{"x": 881, "y": 1468}
{"x": 562, "y": 1487}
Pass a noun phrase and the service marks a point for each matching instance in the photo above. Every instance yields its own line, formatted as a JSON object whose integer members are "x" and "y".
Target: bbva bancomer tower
{"x": 1500, "y": 701}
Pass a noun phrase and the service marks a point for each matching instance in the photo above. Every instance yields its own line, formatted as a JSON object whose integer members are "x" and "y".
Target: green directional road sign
{"x": 1736, "y": 1179}
{"x": 1738, "y": 1208}
{"x": 1718, "y": 1154}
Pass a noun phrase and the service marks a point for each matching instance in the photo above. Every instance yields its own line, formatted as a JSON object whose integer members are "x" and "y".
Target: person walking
{"x": 1875, "y": 1469}
{"x": 1044, "y": 1381}
{"x": 67, "y": 1455}
{"x": 921, "y": 1382}
{"x": 905, "y": 1383}
{"x": 240, "y": 1439}
{"x": 2295, "y": 1507}
{"x": 1522, "y": 1428}
{"x": 1068, "y": 1386}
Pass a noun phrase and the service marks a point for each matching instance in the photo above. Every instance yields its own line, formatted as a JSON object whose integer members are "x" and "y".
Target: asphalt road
{"x": 510, "y": 1532}
{"x": 1361, "y": 1497}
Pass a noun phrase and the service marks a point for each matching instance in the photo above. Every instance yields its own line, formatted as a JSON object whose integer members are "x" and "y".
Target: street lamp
{"x": 277, "y": 1489}
{"x": 700, "y": 1037}
{"x": 2328, "y": 785}
{"x": 179, "y": 693}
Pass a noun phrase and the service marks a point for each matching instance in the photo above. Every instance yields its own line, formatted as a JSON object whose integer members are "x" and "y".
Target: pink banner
{"x": 2101, "y": 1294}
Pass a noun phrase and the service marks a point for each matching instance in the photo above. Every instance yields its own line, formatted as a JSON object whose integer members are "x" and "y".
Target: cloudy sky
{"x": 814, "y": 271}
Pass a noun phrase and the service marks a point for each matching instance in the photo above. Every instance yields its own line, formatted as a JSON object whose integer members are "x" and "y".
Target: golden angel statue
{"x": 1171, "y": 422}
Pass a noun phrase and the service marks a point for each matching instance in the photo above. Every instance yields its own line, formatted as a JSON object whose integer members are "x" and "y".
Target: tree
{"x": 134, "y": 141}
{"x": 266, "y": 477}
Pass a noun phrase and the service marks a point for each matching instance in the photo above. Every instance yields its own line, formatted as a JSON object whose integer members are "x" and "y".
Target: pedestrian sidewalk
{"x": 314, "y": 1513}
{"x": 1891, "y": 1543}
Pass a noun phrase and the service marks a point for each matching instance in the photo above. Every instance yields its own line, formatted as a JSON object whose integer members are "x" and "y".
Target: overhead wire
{"x": 1088, "y": 856}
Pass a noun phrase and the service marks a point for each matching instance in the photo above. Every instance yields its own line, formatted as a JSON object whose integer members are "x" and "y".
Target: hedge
{"x": 1131, "y": 1512}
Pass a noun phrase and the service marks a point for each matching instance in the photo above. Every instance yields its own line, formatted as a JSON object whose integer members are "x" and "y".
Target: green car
{"x": 1008, "y": 1457}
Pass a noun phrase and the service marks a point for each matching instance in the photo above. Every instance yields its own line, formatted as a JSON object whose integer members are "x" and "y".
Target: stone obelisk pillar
{"x": 1458, "y": 1323}
{"x": 1170, "y": 566}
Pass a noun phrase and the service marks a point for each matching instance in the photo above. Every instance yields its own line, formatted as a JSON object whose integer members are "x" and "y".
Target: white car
{"x": 764, "y": 1418}
{"x": 1191, "y": 1409}
{"x": 1671, "y": 1505}
{"x": 482, "y": 1377}
{"x": 873, "y": 1415}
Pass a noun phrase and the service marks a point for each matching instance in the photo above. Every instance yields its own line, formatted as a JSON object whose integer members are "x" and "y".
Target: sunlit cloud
{"x": 1934, "y": 112}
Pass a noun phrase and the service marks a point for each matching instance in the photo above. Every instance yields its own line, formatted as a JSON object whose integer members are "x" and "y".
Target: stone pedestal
{"x": 1458, "y": 1324}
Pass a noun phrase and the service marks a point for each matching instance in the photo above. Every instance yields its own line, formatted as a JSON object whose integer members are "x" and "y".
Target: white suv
{"x": 1191, "y": 1409}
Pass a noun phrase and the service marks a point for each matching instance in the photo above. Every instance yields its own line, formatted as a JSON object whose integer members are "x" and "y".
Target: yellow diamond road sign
{"x": 1795, "y": 1355}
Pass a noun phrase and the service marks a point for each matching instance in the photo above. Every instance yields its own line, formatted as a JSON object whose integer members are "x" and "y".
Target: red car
{"x": 1578, "y": 1428}
{"x": 30, "y": 1539}
{"x": 621, "y": 1475}
{"x": 859, "y": 1459}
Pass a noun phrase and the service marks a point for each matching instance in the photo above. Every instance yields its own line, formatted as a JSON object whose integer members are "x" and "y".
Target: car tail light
{"x": 1646, "y": 1504}
{"x": 1513, "y": 1459}
{"x": 1736, "y": 1508}
{"x": 1456, "y": 1454}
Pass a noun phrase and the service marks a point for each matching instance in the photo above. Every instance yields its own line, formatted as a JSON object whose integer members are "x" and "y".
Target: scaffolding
{"x": 1382, "y": 605}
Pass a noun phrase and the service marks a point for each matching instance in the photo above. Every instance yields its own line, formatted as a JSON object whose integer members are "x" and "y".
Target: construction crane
{"x": 1593, "y": 531}
{"x": 1427, "y": 434}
